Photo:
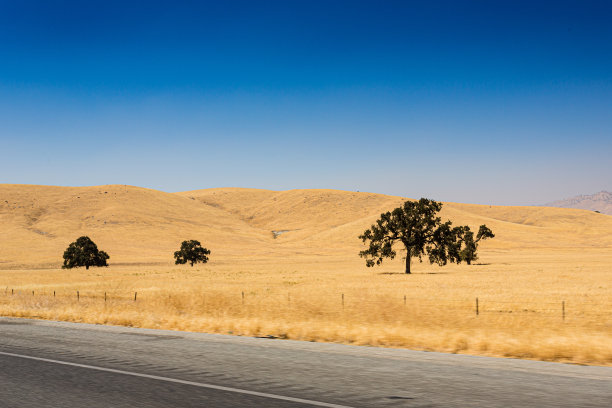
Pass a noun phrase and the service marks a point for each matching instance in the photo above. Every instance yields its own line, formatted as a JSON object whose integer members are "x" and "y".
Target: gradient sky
{"x": 470, "y": 101}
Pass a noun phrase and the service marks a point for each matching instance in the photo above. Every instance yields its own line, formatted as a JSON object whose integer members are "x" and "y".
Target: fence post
{"x": 477, "y": 311}
{"x": 563, "y": 309}
{"x": 53, "y": 293}
{"x": 105, "y": 296}
{"x": 12, "y": 291}
{"x": 32, "y": 293}
{"x": 135, "y": 293}
{"x": 343, "y": 300}
{"x": 78, "y": 296}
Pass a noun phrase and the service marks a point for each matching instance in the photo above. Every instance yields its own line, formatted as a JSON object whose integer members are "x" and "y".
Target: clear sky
{"x": 500, "y": 102}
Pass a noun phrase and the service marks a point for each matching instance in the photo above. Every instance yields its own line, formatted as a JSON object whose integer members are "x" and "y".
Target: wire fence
{"x": 346, "y": 303}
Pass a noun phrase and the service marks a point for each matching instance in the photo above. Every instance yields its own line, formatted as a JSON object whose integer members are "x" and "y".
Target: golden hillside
{"x": 138, "y": 225}
{"x": 285, "y": 264}
{"x": 132, "y": 224}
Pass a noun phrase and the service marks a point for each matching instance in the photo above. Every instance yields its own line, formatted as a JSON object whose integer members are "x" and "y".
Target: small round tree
{"x": 191, "y": 251}
{"x": 84, "y": 252}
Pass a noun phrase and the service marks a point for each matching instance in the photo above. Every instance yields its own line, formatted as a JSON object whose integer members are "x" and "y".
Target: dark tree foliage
{"x": 421, "y": 232}
{"x": 192, "y": 252}
{"x": 467, "y": 245}
{"x": 84, "y": 252}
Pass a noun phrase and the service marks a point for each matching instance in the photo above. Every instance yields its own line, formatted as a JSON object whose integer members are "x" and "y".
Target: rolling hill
{"x": 143, "y": 226}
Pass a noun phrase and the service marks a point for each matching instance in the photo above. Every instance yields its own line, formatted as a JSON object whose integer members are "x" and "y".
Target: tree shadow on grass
{"x": 413, "y": 273}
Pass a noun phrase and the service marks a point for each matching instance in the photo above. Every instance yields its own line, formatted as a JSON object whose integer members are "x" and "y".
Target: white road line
{"x": 175, "y": 380}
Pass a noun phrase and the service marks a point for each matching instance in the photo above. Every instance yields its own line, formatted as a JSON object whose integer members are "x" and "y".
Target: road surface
{"x": 55, "y": 364}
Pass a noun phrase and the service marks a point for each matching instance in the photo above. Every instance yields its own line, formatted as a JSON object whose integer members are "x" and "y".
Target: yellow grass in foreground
{"x": 293, "y": 282}
{"x": 520, "y": 300}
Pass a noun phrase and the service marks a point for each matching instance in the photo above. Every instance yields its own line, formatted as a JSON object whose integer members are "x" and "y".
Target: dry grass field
{"x": 308, "y": 282}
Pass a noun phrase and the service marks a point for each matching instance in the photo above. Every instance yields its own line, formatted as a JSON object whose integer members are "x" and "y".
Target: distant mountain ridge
{"x": 601, "y": 202}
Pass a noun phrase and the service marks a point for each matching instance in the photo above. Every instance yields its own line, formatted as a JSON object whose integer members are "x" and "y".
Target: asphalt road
{"x": 53, "y": 364}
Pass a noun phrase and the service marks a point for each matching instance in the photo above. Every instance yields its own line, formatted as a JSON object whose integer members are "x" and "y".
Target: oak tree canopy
{"x": 417, "y": 227}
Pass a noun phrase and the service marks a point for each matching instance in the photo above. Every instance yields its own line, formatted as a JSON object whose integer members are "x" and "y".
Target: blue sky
{"x": 470, "y": 101}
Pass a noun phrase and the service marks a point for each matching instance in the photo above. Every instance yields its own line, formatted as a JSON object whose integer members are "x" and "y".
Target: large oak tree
{"x": 416, "y": 226}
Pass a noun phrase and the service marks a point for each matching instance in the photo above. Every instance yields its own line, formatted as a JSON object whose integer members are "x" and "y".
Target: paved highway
{"x": 54, "y": 364}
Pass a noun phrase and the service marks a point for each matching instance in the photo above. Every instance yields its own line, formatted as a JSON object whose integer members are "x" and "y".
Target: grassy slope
{"x": 293, "y": 284}
{"x": 137, "y": 225}
{"x": 329, "y": 218}
{"x": 132, "y": 224}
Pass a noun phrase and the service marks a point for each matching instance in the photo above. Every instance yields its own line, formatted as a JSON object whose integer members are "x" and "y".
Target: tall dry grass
{"x": 293, "y": 283}
{"x": 338, "y": 300}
